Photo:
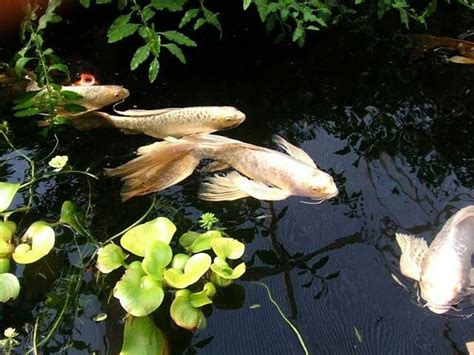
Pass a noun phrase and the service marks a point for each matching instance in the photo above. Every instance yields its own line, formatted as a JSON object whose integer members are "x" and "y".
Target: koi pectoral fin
{"x": 215, "y": 166}
{"x": 234, "y": 186}
{"x": 413, "y": 251}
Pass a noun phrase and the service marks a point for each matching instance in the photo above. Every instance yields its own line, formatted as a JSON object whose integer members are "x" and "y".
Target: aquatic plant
{"x": 145, "y": 282}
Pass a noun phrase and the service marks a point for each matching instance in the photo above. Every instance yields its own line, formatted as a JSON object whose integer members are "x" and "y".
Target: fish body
{"x": 174, "y": 122}
{"x": 258, "y": 172}
{"x": 463, "y": 47}
{"x": 443, "y": 269}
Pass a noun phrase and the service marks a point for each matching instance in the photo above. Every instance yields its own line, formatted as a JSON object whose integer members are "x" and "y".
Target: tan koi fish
{"x": 259, "y": 172}
{"x": 443, "y": 270}
{"x": 463, "y": 47}
{"x": 167, "y": 122}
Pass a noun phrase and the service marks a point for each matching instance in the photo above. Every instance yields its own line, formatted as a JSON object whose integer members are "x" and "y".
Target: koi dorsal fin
{"x": 294, "y": 151}
{"x": 413, "y": 251}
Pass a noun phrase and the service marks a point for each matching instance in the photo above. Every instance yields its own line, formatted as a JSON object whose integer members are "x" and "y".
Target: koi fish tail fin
{"x": 159, "y": 165}
{"x": 90, "y": 120}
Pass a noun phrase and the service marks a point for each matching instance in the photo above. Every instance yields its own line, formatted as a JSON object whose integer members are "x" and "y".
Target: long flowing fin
{"x": 91, "y": 120}
{"x": 461, "y": 60}
{"x": 413, "y": 251}
{"x": 234, "y": 186}
{"x": 140, "y": 113}
{"x": 294, "y": 151}
{"x": 159, "y": 166}
{"x": 215, "y": 166}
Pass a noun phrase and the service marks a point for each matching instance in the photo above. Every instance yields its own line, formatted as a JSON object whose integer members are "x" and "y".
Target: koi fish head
{"x": 441, "y": 283}
{"x": 319, "y": 186}
{"x": 95, "y": 97}
{"x": 225, "y": 117}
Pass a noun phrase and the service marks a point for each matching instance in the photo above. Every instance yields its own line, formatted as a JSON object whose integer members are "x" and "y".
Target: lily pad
{"x": 195, "y": 268}
{"x": 184, "y": 314}
{"x": 223, "y": 274}
{"x": 6, "y": 232}
{"x": 138, "y": 294}
{"x": 4, "y": 265}
{"x": 72, "y": 216}
{"x": 197, "y": 242}
{"x": 7, "y": 193}
{"x": 109, "y": 258}
{"x": 228, "y": 248}
{"x": 157, "y": 256}
{"x": 137, "y": 239}
{"x": 9, "y": 287}
{"x": 141, "y": 336}
{"x": 42, "y": 239}
{"x": 179, "y": 261}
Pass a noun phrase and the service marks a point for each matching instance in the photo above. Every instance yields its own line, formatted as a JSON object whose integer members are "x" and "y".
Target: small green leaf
{"x": 141, "y": 336}
{"x": 195, "y": 268}
{"x": 228, "y": 248}
{"x": 6, "y": 232}
{"x": 70, "y": 95}
{"x": 247, "y": 4}
{"x": 197, "y": 242}
{"x": 4, "y": 265}
{"x": 72, "y": 216}
{"x": 109, "y": 258}
{"x": 139, "y": 295}
{"x": 299, "y": 31}
{"x": 157, "y": 256}
{"x": 179, "y": 38}
{"x": 170, "y": 5}
{"x": 32, "y": 111}
{"x": 179, "y": 261}
{"x": 153, "y": 70}
{"x": 184, "y": 314}
{"x": 199, "y": 23}
{"x": 20, "y": 64}
{"x": 147, "y": 13}
{"x": 85, "y": 3}
{"x": 204, "y": 297}
{"x": 188, "y": 16}
{"x": 42, "y": 238}
{"x": 121, "y": 4}
{"x": 59, "y": 67}
{"x": 137, "y": 239}
{"x": 6, "y": 248}
{"x": 9, "y": 287}
{"x": 121, "y": 28}
{"x": 7, "y": 194}
{"x": 70, "y": 107}
{"x": 139, "y": 57}
{"x": 176, "y": 51}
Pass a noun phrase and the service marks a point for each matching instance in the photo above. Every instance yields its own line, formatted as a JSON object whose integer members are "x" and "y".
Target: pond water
{"x": 395, "y": 131}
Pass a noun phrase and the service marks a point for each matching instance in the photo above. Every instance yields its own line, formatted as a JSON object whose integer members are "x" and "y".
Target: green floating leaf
{"x": 6, "y": 232}
{"x": 153, "y": 70}
{"x": 197, "y": 242}
{"x": 139, "y": 57}
{"x": 228, "y": 248}
{"x": 157, "y": 256}
{"x": 195, "y": 268}
{"x": 72, "y": 216}
{"x": 204, "y": 297}
{"x": 6, "y": 248}
{"x": 176, "y": 51}
{"x": 222, "y": 274}
{"x": 9, "y": 287}
{"x": 4, "y": 265}
{"x": 42, "y": 239}
{"x": 138, "y": 293}
{"x": 179, "y": 261}
{"x": 137, "y": 239}
{"x": 184, "y": 314}
{"x": 7, "y": 193}
{"x": 141, "y": 336}
{"x": 109, "y": 258}
{"x": 179, "y": 38}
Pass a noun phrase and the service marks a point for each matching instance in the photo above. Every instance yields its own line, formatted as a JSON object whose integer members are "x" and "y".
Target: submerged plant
{"x": 145, "y": 282}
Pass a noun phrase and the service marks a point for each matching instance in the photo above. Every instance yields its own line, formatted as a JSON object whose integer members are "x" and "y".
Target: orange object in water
{"x": 86, "y": 79}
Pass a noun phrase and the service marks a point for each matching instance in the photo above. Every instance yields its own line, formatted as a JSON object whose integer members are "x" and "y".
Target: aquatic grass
{"x": 287, "y": 321}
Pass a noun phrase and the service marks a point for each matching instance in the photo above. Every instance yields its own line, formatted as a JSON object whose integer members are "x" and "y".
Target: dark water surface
{"x": 396, "y": 132}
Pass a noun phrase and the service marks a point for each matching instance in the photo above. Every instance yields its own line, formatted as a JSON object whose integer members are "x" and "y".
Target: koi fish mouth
{"x": 320, "y": 200}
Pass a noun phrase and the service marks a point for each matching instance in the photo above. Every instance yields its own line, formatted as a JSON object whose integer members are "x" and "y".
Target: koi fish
{"x": 463, "y": 47}
{"x": 258, "y": 172}
{"x": 443, "y": 269}
{"x": 167, "y": 122}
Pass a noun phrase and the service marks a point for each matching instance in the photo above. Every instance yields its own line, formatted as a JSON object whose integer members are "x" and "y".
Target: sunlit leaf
{"x": 247, "y": 4}
{"x": 188, "y": 16}
{"x": 7, "y": 193}
{"x": 179, "y": 261}
{"x": 138, "y": 294}
{"x": 228, "y": 248}
{"x": 153, "y": 70}
{"x": 170, "y": 5}
{"x": 157, "y": 256}
{"x": 4, "y": 265}
{"x": 179, "y": 38}
{"x": 195, "y": 268}
{"x": 184, "y": 314}
{"x": 139, "y": 57}
{"x": 32, "y": 111}
{"x": 72, "y": 216}
{"x": 147, "y": 13}
{"x": 9, "y": 287}
{"x": 121, "y": 28}
{"x": 6, "y": 232}
{"x": 137, "y": 239}
{"x": 42, "y": 238}
{"x": 6, "y": 248}
{"x": 204, "y": 297}
{"x": 109, "y": 258}
{"x": 176, "y": 51}
{"x": 197, "y": 242}
{"x": 141, "y": 336}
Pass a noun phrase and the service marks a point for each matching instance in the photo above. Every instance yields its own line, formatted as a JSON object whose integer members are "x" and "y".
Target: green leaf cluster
{"x": 191, "y": 275}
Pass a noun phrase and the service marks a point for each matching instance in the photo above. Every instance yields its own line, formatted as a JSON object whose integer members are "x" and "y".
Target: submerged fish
{"x": 167, "y": 122}
{"x": 463, "y": 47}
{"x": 269, "y": 174}
{"x": 443, "y": 270}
